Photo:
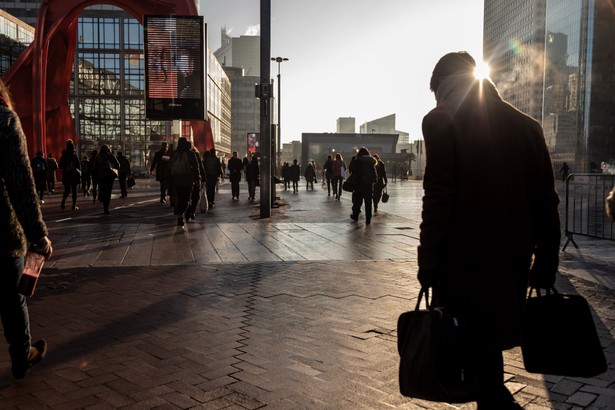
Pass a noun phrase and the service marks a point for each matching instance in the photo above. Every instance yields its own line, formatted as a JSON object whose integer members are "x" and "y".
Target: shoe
{"x": 75, "y": 208}
{"x": 37, "y": 352}
{"x": 354, "y": 217}
{"x": 63, "y": 204}
{"x": 375, "y": 209}
{"x": 368, "y": 221}
{"x": 42, "y": 201}
{"x": 106, "y": 211}
{"x": 163, "y": 201}
{"x": 180, "y": 221}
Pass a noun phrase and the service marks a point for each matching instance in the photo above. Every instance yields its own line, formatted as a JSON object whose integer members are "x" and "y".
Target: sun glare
{"x": 482, "y": 71}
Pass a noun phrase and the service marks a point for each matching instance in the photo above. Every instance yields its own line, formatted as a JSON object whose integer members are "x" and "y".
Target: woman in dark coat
{"x": 71, "y": 173}
{"x": 482, "y": 224}
{"x": 381, "y": 182}
{"x": 362, "y": 167}
{"x": 106, "y": 167}
{"x": 183, "y": 183}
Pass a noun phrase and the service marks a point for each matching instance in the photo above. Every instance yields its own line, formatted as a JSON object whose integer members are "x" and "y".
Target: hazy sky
{"x": 354, "y": 58}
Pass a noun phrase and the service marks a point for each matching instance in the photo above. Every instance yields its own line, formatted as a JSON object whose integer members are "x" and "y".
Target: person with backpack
{"x": 106, "y": 168}
{"x": 52, "y": 167}
{"x": 363, "y": 169}
{"x": 184, "y": 174}
{"x": 213, "y": 171}
{"x": 39, "y": 170}
{"x": 71, "y": 173}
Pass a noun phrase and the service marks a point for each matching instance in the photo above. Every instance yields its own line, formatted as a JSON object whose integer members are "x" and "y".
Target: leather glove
{"x": 544, "y": 268}
{"x": 428, "y": 277}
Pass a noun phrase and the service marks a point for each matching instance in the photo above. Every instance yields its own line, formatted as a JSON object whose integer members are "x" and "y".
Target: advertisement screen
{"x": 254, "y": 140}
{"x": 174, "y": 67}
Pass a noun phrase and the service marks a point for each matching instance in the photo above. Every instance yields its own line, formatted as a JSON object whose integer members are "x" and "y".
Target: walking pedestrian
{"x": 184, "y": 174}
{"x": 286, "y": 175}
{"x": 39, "y": 170}
{"x": 295, "y": 174}
{"x": 52, "y": 167}
{"x": 327, "y": 173}
{"x": 94, "y": 175}
{"x": 160, "y": 165}
{"x": 107, "y": 168}
{"x": 86, "y": 176}
{"x": 363, "y": 169}
{"x": 381, "y": 182}
{"x": 338, "y": 173}
{"x": 235, "y": 166}
{"x": 22, "y": 224}
{"x": 310, "y": 176}
{"x": 71, "y": 173}
{"x": 252, "y": 176}
{"x": 197, "y": 186}
{"x": 564, "y": 171}
{"x": 478, "y": 235}
{"x": 123, "y": 173}
{"x": 213, "y": 171}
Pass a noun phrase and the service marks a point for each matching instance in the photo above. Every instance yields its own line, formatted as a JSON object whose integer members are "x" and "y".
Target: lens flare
{"x": 482, "y": 71}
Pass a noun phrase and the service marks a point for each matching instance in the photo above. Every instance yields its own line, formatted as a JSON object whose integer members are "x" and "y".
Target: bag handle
{"x": 424, "y": 291}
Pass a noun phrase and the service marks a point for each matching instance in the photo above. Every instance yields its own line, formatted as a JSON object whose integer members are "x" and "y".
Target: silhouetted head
{"x": 363, "y": 151}
{"x": 458, "y": 63}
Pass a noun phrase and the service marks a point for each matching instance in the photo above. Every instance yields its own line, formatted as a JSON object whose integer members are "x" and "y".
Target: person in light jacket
{"x": 478, "y": 236}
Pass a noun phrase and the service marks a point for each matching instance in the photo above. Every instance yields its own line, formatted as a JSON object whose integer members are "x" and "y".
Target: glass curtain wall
{"x": 108, "y": 87}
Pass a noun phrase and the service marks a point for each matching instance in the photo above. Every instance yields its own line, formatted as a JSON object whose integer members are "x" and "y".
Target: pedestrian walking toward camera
{"x": 160, "y": 164}
{"x": 107, "y": 169}
{"x": 235, "y": 165}
{"x": 326, "y": 168}
{"x": 123, "y": 173}
{"x": 338, "y": 174}
{"x": 213, "y": 171}
{"x": 252, "y": 172}
{"x": 184, "y": 174}
{"x": 52, "y": 167}
{"x": 381, "y": 182}
{"x": 22, "y": 228}
{"x": 39, "y": 170}
{"x": 477, "y": 234}
{"x": 295, "y": 174}
{"x": 71, "y": 173}
{"x": 310, "y": 176}
{"x": 363, "y": 170}
{"x": 86, "y": 176}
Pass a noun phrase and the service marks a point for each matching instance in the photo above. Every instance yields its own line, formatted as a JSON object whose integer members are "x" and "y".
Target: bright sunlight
{"x": 482, "y": 70}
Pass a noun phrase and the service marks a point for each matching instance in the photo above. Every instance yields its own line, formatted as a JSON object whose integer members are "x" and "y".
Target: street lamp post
{"x": 279, "y": 60}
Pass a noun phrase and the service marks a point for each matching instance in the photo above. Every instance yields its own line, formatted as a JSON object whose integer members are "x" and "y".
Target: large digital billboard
{"x": 175, "y": 69}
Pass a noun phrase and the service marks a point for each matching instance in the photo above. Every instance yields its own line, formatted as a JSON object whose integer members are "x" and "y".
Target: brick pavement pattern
{"x": 297, "y": 312}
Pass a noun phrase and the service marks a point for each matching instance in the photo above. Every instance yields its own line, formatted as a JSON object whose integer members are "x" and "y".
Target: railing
{"x": 585, "y": 214}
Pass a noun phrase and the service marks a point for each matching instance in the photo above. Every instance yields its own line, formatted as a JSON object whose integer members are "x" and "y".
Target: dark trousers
{"x": 182, "y": 198}
{"x": 163, "y": 190}
{"x": 251, "y": 188}
{"x": 377, "y": 194}
{"x": 123, "y": 187}
{"x": 70, "y": 188}
{"x": 328, "y": 179}
{"x": 360, "y": 196}
{"x": 195, "y": 195}
{"x": 105, "y": 186}
{"x": 13, "y": 308}
{"x": 212, "y": 181}
{"x": 337, "y": 186}
{"x": 235, "y": 187}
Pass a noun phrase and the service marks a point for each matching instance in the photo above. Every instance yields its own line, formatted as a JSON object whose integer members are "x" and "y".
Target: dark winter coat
{"x": 482, "y": 222}
{"x": 160, "y": 164}
{"x": 363, "y": 170}
{"x": 20, "y": 215}
{"x": 71, "y": 167}
{"x": 234, "y": 169}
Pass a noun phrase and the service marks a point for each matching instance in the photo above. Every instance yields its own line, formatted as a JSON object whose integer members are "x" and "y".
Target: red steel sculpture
{"x": 40, "y": 79}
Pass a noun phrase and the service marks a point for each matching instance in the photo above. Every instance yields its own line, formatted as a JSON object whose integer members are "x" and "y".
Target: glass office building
{"x": 15, "y": 37}
{"x": 579, "y": 98}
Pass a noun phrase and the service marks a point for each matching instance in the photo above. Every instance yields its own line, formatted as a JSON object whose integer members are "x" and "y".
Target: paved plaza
{"x": 296, "y": 311}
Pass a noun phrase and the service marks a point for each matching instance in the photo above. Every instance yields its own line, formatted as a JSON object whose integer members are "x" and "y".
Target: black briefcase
{"x": 559, "y": 336}
{"x": 433, "y": 361}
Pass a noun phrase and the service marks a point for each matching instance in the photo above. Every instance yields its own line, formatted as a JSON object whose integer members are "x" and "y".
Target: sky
{"x": 353, "y": 58}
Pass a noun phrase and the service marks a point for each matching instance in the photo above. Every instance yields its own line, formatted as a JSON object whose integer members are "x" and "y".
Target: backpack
{"x": 180, "y": 165}
{"x": 70, "y": 164}
{"x": 212, "y": 166}
{"x": 39, "y": 166}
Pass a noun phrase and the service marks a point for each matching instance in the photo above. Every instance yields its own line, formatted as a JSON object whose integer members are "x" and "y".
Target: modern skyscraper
{"x": 513, "y": 46}
{"x": 554, "y": 60}
{"x": 242, "y": 51}
{"x": 15, "y": 37}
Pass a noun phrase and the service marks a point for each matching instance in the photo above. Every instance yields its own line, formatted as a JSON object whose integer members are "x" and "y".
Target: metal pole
{"x": 265, "y": 95}
{"x": 279, "y": 147}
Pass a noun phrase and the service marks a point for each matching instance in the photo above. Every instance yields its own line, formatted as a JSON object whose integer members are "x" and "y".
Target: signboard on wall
{"x": 254, "y": 142}
{"x": 175, "y": 69}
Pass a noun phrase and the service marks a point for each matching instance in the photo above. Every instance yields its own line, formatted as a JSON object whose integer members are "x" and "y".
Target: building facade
{"x": 243, "y": 52}
{"x": 513, "y": 46}
{"x": 15, "y": 37}
{"x": 245, "y": 108}
{"x": 346, "y": 125}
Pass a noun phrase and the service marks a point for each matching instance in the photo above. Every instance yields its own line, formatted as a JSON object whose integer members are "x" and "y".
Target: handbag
{"x": 130, "y": 181}
{"x": 348, "y": 184}
{"x": 433, "y": 360}
{"x": 559, "y": 336}
{"x": 385, "y": 195}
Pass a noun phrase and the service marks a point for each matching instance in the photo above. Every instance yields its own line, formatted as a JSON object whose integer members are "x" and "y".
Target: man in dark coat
{"x": 481, "y": 224}
{"x": 161, "y": 165}
{"x": 363, "y": 170}
{"x": 234, "y": 168}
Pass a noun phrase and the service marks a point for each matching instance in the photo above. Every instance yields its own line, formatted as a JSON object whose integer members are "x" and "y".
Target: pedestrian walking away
{"x": 160, "y": 164}
{"x": 213, "y": 171}
{"x": 107, "y": 170}
{"x": 86, "y": 176}
{"x": 363, "y": 169}
{"x": 93, "y": 175}
{"x": 310, "y": 176}
{"x": 381, "y": 182}
{"x": 327, "y": 173}
{"x": 123, "y": 173}
{"x": 39, "y": 170}
{"x": 478, "y": 235}
{"x": 295, "y": 174}
{"x": 338, "y": 174}
{"x": 71, "y": 173}
{"x": 286, "y": 175}
{"x": 184, "y": 174}
{"x": 52, "y": 167}
{"x": 22, "y": 229}
{"x": 252, "y": 176}
{"x": 197, "y": 186}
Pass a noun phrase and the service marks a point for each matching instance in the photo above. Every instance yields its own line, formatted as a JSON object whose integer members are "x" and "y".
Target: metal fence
{"x": 585, "y": 212}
